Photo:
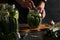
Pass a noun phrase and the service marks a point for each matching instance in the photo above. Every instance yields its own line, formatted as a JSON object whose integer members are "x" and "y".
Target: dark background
{"x": 52, "y": 11}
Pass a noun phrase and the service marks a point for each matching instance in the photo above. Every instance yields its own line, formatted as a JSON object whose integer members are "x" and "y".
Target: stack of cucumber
{"x": 8, "y": 22}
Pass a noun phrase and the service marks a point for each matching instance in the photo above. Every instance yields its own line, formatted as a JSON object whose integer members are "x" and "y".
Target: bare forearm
{"x": 25, "y": 3}
{"x": 20, "y": 1}
{"x": 43, "y": 2}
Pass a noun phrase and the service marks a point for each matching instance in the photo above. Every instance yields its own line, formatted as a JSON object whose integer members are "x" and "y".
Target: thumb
{"x": 43, "y": 13}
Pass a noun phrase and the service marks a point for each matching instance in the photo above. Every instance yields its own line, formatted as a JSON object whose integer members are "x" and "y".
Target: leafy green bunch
{"x": 54, "y": 31}
{"x": 34, "y": 18}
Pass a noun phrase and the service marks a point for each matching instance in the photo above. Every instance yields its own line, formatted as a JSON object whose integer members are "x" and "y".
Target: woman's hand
{"x": 29, "y": 4}
{"x": 41, "y": 7}
{"x": 26, "y": 3}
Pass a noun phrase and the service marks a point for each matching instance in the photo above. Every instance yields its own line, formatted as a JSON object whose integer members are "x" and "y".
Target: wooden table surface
{"x": 25, "y": 27}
